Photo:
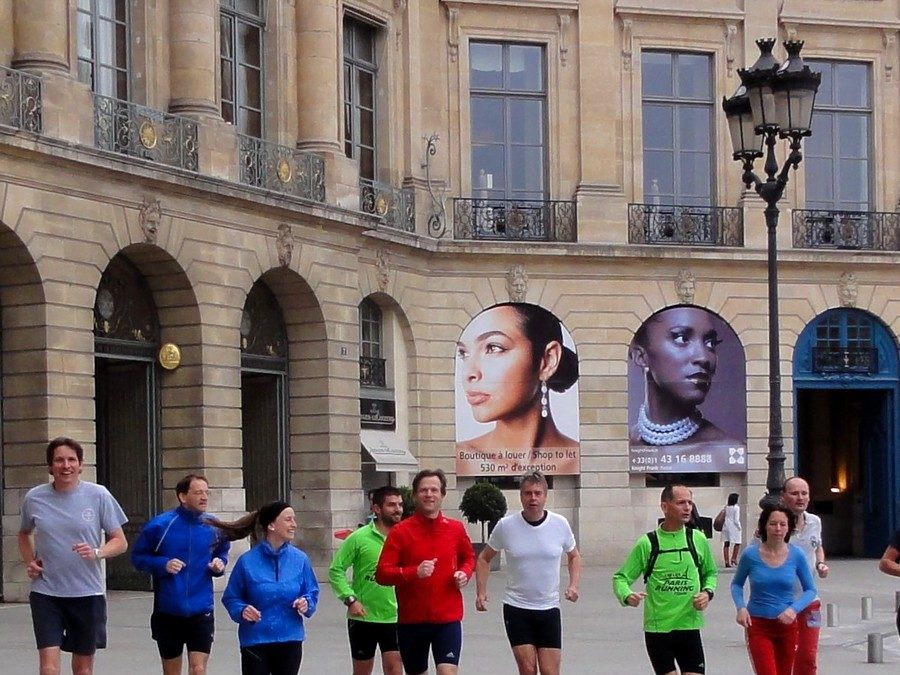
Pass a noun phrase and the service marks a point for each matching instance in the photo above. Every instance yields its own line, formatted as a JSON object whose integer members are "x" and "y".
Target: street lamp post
{"x": 774, "y": 101}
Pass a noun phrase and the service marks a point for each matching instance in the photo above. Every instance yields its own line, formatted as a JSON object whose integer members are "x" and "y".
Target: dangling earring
{"x": 646, "y": 387}
{"x": 543, "y": 398}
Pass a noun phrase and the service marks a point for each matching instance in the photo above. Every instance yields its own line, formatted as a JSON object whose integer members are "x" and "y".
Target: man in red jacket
{"x": 429, "y": 558}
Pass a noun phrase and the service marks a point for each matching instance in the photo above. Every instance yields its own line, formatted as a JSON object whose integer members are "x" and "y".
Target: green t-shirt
{"x": 360, "y": 552}
{"x": 672, "y": 584}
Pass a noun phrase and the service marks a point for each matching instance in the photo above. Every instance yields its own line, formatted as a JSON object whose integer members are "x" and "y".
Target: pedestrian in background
{"x": 731, "y": 531}
{"x": 890, "y": 563}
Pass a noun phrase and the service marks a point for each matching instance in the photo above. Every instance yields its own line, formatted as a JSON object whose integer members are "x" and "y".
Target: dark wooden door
{"x": 264, "y": 438}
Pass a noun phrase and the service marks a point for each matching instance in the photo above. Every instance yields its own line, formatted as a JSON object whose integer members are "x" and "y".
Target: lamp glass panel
{"x": 762, "y": 105}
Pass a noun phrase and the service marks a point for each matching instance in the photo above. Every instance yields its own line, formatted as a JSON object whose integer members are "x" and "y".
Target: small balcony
{"x": 514, "y": 220}
{"x": 395, "y": 206}
{"x": 851, "y": 230}
{"x": 146, "y": 133}
{"x": 20, "y": 100}
{"x": 372, "y": 372}
{"x": 281, "y": 169}
{"x": 685, "y": 225}
{"x": 845, "y": 360}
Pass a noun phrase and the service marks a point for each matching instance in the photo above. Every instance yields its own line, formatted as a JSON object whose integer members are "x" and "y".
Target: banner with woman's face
{"x": 687, "y": 394}
{"x": 516, "y": 394}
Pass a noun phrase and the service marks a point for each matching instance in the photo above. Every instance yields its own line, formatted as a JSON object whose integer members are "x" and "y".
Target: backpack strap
{"x": 692, "y": 549}
{"x": 654, "y": 554}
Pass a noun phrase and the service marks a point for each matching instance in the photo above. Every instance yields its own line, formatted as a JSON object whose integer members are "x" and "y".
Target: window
{"x": 369, "y": 329}
{"x": 360, "y": 72}
{"x": 241, "y": 49}
{"x": 677, "y": 108}
{"x": 845, "y": 343}
{"x": 103, "y": 38}
{"x": 508, "y": 87}
{"x": 836, "y": 156}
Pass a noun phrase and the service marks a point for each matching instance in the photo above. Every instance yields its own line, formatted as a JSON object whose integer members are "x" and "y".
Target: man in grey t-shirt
{"x": 61, "y": 543}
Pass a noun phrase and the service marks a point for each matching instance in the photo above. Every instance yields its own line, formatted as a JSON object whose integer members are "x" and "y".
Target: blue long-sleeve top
{"x": 271, "y": 581}
{"x": 772, "y": 589}
{"x": 187, "y": 536}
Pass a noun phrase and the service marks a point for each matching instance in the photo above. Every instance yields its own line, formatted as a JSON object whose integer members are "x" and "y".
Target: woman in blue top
{"x": 774, "y": 568}
{"x": 270, "y": 590}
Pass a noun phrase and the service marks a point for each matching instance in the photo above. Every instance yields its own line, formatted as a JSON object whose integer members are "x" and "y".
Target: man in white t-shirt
{"x": 534, "y": 540}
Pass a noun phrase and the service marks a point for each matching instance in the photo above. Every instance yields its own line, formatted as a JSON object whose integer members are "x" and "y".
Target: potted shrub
{"x": 484, "y": 503}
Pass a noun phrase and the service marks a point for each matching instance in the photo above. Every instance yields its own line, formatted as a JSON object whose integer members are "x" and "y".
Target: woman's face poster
{"x": 516, "y": 394}
{"x": 687, "y": 394}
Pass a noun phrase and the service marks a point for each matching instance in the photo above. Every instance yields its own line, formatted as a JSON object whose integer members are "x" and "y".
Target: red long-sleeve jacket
{"x": 434, "y": 599}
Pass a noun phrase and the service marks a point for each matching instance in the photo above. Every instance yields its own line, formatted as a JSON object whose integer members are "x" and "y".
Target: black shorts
{"x": 173, "y": 633}
{"x": 539, "y": 627}
{"x": 365, "y": 636}
{"x": 414, "y": 640}
{"x": 681, "y": 646}
{"x": 76, "y": 625}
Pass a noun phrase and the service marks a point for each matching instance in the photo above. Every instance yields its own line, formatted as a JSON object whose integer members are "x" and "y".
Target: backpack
{"x": 719, "y": 521}
{"x": 655, "y": 551}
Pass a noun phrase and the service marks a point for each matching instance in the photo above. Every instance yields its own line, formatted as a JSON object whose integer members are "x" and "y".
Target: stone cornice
{"x": 679, "y": 9}
{"x": 849, "y": 21}
{"x": 567, "y": 5}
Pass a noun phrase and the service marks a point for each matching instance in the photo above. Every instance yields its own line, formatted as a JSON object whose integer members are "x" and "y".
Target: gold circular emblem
{"x": 169, "y": 356}
{"x": 381, "y": 205}
{"x": 147, "y": 134}
{"x": 284, "y": 171}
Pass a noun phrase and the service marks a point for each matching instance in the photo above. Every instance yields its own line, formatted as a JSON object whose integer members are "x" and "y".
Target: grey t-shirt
{"x": 59, "y": 521}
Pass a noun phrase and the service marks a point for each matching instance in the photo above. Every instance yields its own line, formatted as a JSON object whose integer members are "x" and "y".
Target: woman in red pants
{"x": 770, "y": 617}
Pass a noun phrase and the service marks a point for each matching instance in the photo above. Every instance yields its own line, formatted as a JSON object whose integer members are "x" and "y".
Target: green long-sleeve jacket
{"x": 360, "y": 552}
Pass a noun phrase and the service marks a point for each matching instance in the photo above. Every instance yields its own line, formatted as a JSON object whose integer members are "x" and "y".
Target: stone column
{"x": 41, "y": 36}
{"x": 318, "y": 75}
{"x": 193, "y": 57}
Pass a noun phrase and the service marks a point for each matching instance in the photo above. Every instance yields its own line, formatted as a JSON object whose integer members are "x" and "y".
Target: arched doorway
{"x": 264, "y": 358}
{"x": 126, "y": 341}
{"x": 846, "y": 391}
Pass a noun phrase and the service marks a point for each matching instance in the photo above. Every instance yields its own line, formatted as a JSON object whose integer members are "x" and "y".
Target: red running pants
{"x": 772, "y": 646}
{"x": 809, "y": 623}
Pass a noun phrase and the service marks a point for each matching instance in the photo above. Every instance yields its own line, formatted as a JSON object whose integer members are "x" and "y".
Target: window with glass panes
{"x": 508, "y": 102}
{"x": 677, "y": 110}
{"x": 241, "y": 60}
{"x": 370, "y": 319}
{"x": 844, "y": 330}
{"x": 836, "y": 156}
{"x": 103, "y": 34}
{"x": 360, "y": 73}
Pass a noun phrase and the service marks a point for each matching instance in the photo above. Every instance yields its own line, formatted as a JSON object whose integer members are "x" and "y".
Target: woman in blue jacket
{"x": 270, "y": 590}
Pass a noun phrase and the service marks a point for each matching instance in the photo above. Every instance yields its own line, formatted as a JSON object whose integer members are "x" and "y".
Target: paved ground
{"x": 600, "y": 636}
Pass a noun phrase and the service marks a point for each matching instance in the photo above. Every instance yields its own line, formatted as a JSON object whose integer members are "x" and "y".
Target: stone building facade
{"x": 310, "y": 200}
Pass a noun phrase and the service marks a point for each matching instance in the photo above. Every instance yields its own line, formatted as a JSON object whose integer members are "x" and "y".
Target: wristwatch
{"x": 349, "y": 600}
{"x": 709, "y": 593}
{"x": 820, "y": 565}
{"x": 97, "y": 553}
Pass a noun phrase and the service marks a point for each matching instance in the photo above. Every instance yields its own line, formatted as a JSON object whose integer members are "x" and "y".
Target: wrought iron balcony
{"x": 853, "y": 360}
{"x": 281, "y": 168}
{"x": 685, "y": 225}
{"x": 20, "y": 100}
{"x": 514, "y": 219}
{"x": 396, "y": 207}
{"x": 372, "y": 372}
{"x": 855, "y": 230}
{"x": 137, "y": 131}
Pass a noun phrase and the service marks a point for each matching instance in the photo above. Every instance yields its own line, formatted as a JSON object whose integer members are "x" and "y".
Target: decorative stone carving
{"x": 564, "y": 20}
{"x": 149, "y": 216}
{"x": 400, "y": 4}
{"x": 848, "y": 289}
{"x": 382, "y": 269}
{"x": 889, "y": 38}
{"x": 517, "y": 283}
{"x": 730, "y": 35}
{"x": 284, "y": 244}
{"x": 627, "y": 44}
{"x": 453, "y": 33}
{"x": 685, "y": 286}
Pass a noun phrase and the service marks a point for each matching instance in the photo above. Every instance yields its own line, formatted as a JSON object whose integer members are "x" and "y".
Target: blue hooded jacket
{"x": 183, "y": 534}
{"x": 271, "y": 581}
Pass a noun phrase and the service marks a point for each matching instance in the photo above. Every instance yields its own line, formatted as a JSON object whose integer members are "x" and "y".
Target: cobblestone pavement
{"x": 599, "y": 636}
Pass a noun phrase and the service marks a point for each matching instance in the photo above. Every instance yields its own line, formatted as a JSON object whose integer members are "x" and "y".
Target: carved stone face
{"x": 517, "y": 283}
{"x": 685, "y": 286}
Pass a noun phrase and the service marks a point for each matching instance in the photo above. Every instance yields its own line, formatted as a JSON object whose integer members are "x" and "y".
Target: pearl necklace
{"x": 666, "y": 434}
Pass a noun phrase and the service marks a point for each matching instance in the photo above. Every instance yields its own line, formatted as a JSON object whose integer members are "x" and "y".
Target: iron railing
{"x": 395, "y": 206}
{"x": 372, "y": 372}
{"x": 845, "y": 360}
{"x": 138, "y": 131}
{"x": 281, "y": 168}
{"x": 855, "y": 230}
{"x": 20, "y": 100}
{"x": 514, "y": 219}
{"x": 685, "y": 225}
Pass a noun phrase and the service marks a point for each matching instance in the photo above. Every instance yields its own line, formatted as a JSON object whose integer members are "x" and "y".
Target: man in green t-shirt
{"x": 371, "y": 608}
{"x": 681, "y": 582}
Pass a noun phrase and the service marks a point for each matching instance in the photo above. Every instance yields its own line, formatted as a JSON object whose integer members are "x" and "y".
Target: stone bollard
{"x": 866, "y": 607}
{"x": 876, "y": 648}
{"x": 832, "y": 618}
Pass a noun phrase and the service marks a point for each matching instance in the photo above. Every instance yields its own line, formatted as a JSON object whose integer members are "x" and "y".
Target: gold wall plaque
{"x": 381, "y": 205}
{"x": 147, "y": 134}
{"x": 169, "y": 356}
{"x": 283, "y": 171}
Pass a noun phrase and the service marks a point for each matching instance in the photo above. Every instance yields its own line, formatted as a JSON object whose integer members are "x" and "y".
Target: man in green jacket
{"x": 680, "y": 578}
{"x": 371, "y": 608}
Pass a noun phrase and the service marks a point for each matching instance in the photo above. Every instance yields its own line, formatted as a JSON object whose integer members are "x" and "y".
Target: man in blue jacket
{"x": 183, "y": 553}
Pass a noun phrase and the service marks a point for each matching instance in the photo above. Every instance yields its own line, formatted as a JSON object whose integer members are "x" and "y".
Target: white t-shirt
{"x": 533, "y": 555}
{"x": 809, "y": 539}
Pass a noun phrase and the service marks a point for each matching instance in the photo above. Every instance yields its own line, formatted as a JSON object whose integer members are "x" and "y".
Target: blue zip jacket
{"x": 270, "y": 581}
{"x": 183, "y": 534}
